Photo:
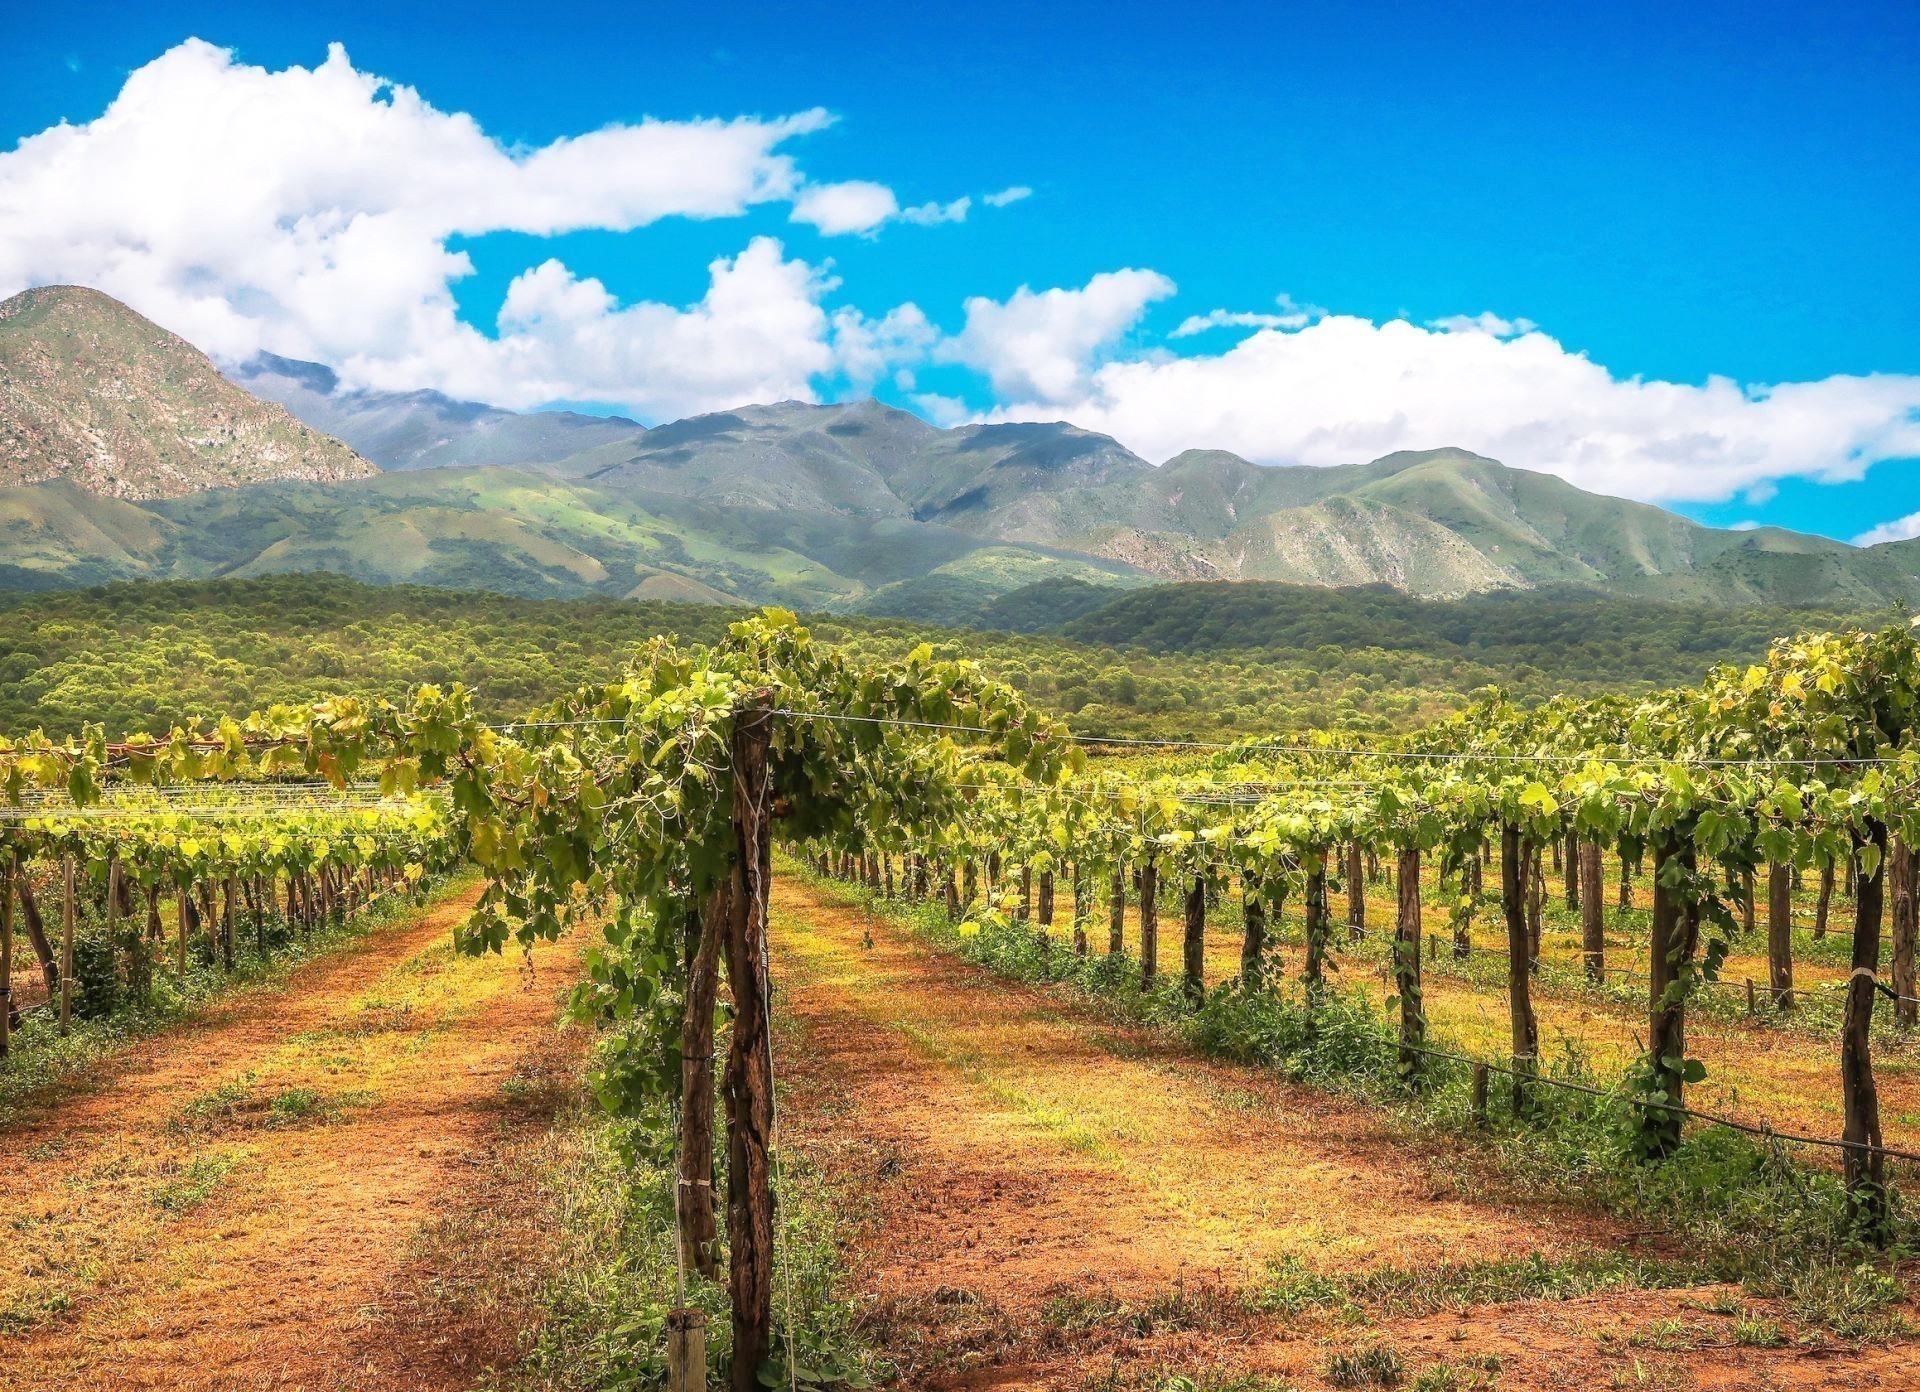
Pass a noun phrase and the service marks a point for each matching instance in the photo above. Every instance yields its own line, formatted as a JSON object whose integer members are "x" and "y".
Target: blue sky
{"x": 1675, "y": 193}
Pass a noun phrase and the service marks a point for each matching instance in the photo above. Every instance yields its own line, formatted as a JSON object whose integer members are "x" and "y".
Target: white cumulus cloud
{"x": 1290, "y": 316}
{"x": 313, "y": 212}
{"x": 1341, "y": 389}
{"x": 933, "y": 214}
{"x": 861, "y": 207}
{"x": 1900, "y": 529}
{"x": 1042, "y": 344}
{"x": 1486, "y": 322}
{"x": 857, "y": 205}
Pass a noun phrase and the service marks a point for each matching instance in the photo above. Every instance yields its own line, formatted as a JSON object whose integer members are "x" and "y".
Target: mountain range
{"x": 127, "y": 454}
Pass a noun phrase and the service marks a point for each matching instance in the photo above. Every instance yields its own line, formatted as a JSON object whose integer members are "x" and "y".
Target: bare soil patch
{"x": 1044, "y": 1199}
{"x": 241, "y": 1202}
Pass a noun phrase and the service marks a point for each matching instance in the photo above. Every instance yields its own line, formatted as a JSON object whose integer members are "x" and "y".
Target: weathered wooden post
{"x": 749, "y": 1077}
{"x": 1593, "y": 927}
{"x": 1524, "y": 1025}
{"x": 1865, "y": 1162}
{"x": 1406, "y": 965}
{"x": 1253, "y": 933}
{"x": 1780, "y": 935}
{"x": 1356, "y": 893}
{"x": 1149, "y": 923}
{"x": 1194, "y": 956}
{"x": 66, "y": 944}
{"x": 8, "y": 869}
{"x": 687, "y": 1350}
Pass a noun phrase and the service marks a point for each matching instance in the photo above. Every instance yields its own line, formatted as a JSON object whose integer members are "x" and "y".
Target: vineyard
{"x": 1729, "y": 863}
{"x": 144, "y": 880}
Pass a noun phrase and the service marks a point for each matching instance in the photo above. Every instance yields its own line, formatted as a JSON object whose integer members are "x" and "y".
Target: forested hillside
{"x": 1574, "y": 633}
{"x": 1179, "y": 660}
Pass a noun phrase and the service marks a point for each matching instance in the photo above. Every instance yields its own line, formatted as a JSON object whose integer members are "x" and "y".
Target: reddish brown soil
{"x": 1046, "y": 1200}
{"x": 170, "y": 1227}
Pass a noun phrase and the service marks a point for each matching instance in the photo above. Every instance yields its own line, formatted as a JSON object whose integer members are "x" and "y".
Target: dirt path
{"x": 240, "y": 1204}
{"x": 1047, "y": 1200}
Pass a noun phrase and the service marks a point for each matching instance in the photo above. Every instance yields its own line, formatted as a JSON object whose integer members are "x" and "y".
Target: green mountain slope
{"x": 128, "y": 447}
{"x": 92, "y": 392}
{"x": 1445, "y": 523}
{"x": 509, "y": 531}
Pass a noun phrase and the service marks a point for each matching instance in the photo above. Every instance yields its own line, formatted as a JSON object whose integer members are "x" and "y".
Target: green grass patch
{"x": 604, "y": 1301}
{"x": 189, "y": 1186}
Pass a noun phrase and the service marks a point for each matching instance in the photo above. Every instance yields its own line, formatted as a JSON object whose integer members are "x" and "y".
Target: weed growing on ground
{"x": 190, "y": 1185}
{"x": 605, "y": 1303}
{"x": 1375, "y": 1365}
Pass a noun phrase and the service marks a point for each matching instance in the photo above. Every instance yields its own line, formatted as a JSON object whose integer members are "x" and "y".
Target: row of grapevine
{"x": 235, "y": 858}
{"x": 653, "y": 803}
{"x": 1803, "y": 764}
{"x": 647, "y": 808}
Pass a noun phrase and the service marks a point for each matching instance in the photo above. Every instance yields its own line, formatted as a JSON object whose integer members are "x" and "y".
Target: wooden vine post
{"x": 1194, "y": 945}
{"x": 1525, "y": 1027}
{"x": 8, "y": 870}
{"x": 686, "y": 1349}
{"x": 1356, "y": 893}
{"x": 1253, "y": 933}
{"x": 1149, "y": 923}
{"x": 1406, "y": 965}
{"x": 66, "y": 943}
{"x": 1593, "y": 926}
{"x": 1865, "y": 1162}
{"x": 1674, "y": 935}
{"x": 1780, "y": 934}
{"x": 1313, "y": 974}
{"x": 749, "y": 1077}
{"x": 1079, "y": 906}
{"x": 1117, "y": 913}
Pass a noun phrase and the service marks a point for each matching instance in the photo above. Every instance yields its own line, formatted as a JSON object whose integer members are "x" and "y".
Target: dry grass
{"x": 242, "y": 1200}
